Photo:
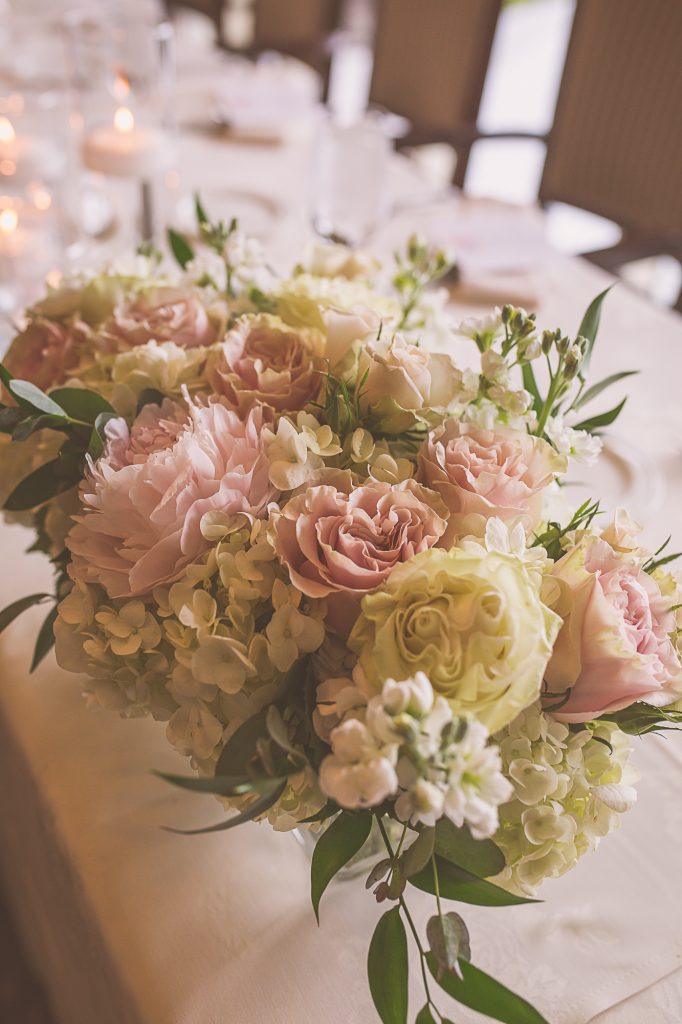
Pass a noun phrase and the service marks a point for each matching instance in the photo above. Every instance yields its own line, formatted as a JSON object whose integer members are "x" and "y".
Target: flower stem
{"x": 407, "y": 915}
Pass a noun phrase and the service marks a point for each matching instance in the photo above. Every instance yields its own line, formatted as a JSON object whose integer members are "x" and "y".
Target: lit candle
{"x": 123, "y": 150}
{"x": 27, "y": 156}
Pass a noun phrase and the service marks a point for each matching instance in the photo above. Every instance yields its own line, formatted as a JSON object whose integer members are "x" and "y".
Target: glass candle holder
{"x": 121, "y": 67}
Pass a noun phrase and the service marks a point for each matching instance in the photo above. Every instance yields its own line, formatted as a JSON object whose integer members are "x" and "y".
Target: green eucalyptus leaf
{"x": 480, "y": 992}
{"x": 10, "y": 417}
{"x": 45, "y": 639}
{"x": 530, "y": 384}
{"x": 602, "y": 385}
{"x": 148, "y": 396}
{"x": 240, "y": 749}
{"x": 255, "y": 809}
{"x": 457, "y": 884}
{"x": 279, "y": 733}
{"x": 379, "y": 871}
{"x": 329, "y": 810}
{"x": 5, "y": 375}
{"x": 417, "y": 856}
{"x": 479, "y": 856}
{"x": 29, "y": 394}
{"x": 81, "y": 403}
{"x": 32, "y": 424}
{"x": 181, "y": 249}
{"x": 345, "y": 836}
{"x": 202, "y": 216}
{"x": 604, "y": 419}
{"x": 425, "y": 1016}
{"x": 224, "y": 785}
{"x": 12, "y": 611}
{"x": 449, "y": 940}
{"x": 387, "y": 968}
{"x": 46, "y": 482}
{"x": 589, "y": 326}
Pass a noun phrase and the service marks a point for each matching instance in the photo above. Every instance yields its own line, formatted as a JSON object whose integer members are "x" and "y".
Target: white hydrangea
{"x": 578, "y": 444}
{"x": 569, "y": 790}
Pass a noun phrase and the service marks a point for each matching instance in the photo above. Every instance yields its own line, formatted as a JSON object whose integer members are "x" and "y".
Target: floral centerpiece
{"x": 288, "y": 523}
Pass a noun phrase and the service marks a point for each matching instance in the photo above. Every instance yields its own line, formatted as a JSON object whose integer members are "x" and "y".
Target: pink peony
{"x": 164, "y": 314}
{"x": 484, "y": 473}
{"x": 142, "y": 509}
{"x": 45, "y": 352}
{"x": 614, "y": 647}
{"x": 262, "y": 360}
{"x": 340, "y": 546}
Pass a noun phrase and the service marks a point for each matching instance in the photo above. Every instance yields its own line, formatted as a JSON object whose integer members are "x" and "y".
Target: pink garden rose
{"x": 614, "y": 647}
{"x": 484, "y": 473}
{"x": 340, "y": 546}
{"x": 164, "y": 314}
{"x": 347, "y": 329}
{"x": 262, "y": 360}
{"x": 142, "y": 509}
{"x": 45, "y": 352}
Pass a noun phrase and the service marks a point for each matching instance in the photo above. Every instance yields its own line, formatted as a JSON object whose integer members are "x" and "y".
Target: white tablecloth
{"x": 131, "y": 925}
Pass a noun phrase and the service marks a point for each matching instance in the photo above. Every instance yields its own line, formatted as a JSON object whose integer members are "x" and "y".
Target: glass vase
{"x": 367, "y": 856}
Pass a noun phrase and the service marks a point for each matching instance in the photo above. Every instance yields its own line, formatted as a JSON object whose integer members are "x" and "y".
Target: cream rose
{"x": 615, "y": 646}
{"x": 485, "y": 473}
{"x": 471, "y": 620}
{"x": 414, "y": 378}
{"x": 262, "y": 360}
{"x": 340, "y": 546}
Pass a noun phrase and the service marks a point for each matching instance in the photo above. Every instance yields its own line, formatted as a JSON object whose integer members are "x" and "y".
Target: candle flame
{"x": 121, "y": 86}
{"x": 8, "y": 221}
{"x": 124, "y": 120}
{"x": 7, "y": 133}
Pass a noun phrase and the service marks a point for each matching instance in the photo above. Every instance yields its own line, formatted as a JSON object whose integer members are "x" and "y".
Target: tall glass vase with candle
{"x": 121, "y": 63}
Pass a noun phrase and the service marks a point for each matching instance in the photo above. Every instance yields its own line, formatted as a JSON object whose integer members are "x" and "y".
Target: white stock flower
{"x": 360, "y": 772}
{"x": 580, "y": 445}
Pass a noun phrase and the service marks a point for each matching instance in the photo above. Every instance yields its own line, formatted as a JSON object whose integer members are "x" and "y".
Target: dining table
{"x": 127, "y": 923}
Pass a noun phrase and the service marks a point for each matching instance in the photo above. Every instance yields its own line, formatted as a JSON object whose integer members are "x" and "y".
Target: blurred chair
{"x": 615, "y": 147}
{"x": 299, "y": 28}
{"x": 430, "y": 63}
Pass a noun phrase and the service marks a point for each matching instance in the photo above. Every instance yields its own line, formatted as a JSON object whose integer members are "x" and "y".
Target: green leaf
{"x": 387, "y": 968}
{"x": 48, "y": 480}
{"x": 224, "y": 785}
{"x": 253, "y": 811}
{"x": 479, "y": 856}
{"x": 278, "y": 732}
{"x": 181, "y": 249}
{"x": 329, "y": 809}
{"x": 641, "y": 718}
{"x": 241, "y": 747}
{"x": 379, "y": 871}
{"x": 45, "y": 640}
{"x": 457, "y": 884}
{"x": 148, "y": 396}
{"x": 480, "y": 992}
{"x": 97, "y": 441}
{"x": 448, "y": 938}
{"x": 29, "y": 394}
{"x": 345, "y": 836}
{"x": 12, "y": 611}
{"x": 81, "y": 403}
{"x": 530, "y": 384}
{"x": 425, "y": 1016}
{"x": 202, "y": 216}
{"x": 10, "y": 417}
{"x": 597, "y": 389}
{"x": 418, "y": 855}
{"x": 603, "y": 419}
{"x": 589, "y": 326}
{"x": 32, "y": 424}
{"x": 5, "y": 375}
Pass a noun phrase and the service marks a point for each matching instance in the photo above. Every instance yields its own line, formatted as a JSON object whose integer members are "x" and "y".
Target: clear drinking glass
{"x": 349, "y": 179}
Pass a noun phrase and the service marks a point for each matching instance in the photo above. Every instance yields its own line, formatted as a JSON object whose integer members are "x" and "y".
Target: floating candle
{"x": 27, "y": 156}
{"x": 123, "y": 150}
